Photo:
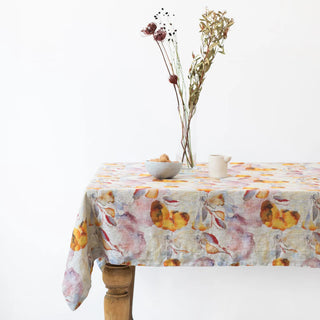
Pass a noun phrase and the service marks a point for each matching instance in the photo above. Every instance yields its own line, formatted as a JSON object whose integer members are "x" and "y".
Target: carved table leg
{"x": 117, "y": 300}
{"x": 131, "y": 289}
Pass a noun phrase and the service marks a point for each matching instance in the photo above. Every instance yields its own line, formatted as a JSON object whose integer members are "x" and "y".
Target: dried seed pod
{"x": 159, "y": 35}
{"x": 173, "y": 79}
{"x": 150, "y": 29}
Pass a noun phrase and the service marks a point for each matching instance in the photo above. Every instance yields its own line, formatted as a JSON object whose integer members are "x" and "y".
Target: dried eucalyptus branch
{"x": 214, "y": 28}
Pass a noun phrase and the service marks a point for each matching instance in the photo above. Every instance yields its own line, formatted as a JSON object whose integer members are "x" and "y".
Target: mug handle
{"x": 227, "y": 159}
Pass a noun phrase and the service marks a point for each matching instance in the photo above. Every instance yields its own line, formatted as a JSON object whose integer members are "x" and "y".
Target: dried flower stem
{"x": 183, "y": 121}
{"x": 180, "y": 93}
{"x": 174, "y": 86}
{"x": 164, "y": 59}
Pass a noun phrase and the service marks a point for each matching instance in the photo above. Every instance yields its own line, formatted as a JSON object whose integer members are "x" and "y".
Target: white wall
{"x": 79, "y": 86}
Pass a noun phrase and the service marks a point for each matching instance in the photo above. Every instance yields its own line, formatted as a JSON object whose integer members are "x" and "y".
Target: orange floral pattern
{"x": 262, "y": 214}
{"x": 281, "y": 262}
{"x": 172, "y": 263}
{"x": 282, "y": 219}
{"x": 167, "y": 220}
{"x": 79, "y": 237}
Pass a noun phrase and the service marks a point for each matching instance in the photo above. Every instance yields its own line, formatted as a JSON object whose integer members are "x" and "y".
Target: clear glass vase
{"x": 187, "y": 154}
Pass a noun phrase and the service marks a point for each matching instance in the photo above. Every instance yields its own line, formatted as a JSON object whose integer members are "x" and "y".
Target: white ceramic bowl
{"x": 163, "y": 170}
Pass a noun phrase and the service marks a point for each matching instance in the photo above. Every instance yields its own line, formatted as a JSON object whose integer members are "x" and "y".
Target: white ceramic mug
{"x": 218, "y": 166}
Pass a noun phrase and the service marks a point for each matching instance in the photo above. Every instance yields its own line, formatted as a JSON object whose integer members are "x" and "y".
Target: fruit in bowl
{"x": 163, "y": 168}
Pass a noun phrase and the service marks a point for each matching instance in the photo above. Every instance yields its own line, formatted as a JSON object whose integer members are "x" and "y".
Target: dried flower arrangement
{"x": 214, "y": 27}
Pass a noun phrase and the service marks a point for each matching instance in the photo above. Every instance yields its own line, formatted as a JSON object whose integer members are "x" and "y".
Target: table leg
{"x": 117, "y": 299}
{"x": 131, "y": 289}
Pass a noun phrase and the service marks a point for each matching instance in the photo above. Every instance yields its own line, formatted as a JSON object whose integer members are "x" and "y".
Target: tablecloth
{"x": 262, "y": 214}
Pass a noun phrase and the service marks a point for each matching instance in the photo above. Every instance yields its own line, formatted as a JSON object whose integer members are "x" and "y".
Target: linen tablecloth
{"x": 261, "y": 214}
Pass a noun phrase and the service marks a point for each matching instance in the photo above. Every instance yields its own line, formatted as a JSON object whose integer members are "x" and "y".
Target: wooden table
{"x": 264, "y": 214}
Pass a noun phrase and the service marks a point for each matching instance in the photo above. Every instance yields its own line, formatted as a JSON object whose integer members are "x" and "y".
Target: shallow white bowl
{"x": 163, "y": 170}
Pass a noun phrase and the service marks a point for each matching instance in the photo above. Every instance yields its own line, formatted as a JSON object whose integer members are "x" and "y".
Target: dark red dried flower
{"x": 150, "y": 29}
{"x": 159, "y": 35}
{"x": 173, "y": 79}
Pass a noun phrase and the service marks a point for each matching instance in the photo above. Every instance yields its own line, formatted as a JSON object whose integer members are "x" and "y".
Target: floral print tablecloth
{"x": 261, "y": 214}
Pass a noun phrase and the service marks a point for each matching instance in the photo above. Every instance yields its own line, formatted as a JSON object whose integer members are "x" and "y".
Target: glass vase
{"x": 188, "y": 154}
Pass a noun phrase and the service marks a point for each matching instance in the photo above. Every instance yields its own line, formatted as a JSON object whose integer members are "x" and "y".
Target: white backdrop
{"x": 80, "y": 86}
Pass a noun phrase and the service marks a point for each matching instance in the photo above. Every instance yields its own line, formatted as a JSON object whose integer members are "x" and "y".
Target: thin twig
{"x": 174, "y": 86}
